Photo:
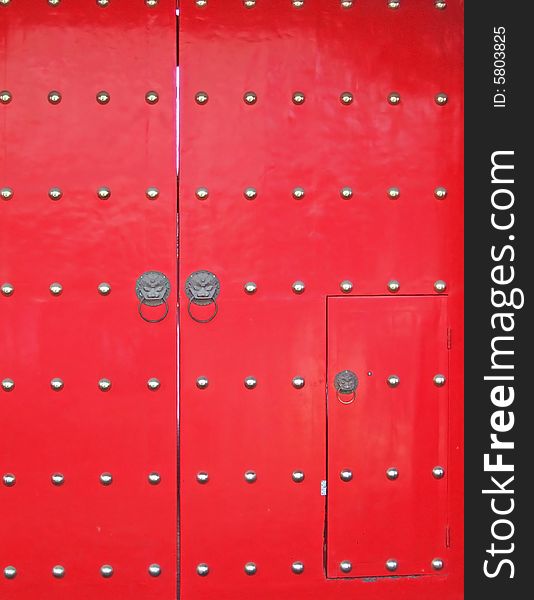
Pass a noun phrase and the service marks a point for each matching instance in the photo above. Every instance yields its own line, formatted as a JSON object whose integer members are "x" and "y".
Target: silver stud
{"x": 439, "y": 380}
{"x": 203, "y": 477}
{"x": 5, "y": 97}
{"x": 346, "y": 286}
{"x": 104, "y": 384}
{"x": 202, "y": 382}
{"x": 151, "y": 3}
{"x": 346, "y": 475}
{"x": 298, "y": 98}
{"x": 7, "y": 289}
{"x": 202, "y": 568}
{"x": 250, "y": 287}
{"x": 298, "y": 382}
{"x": 102, "y": 2}
{"x": 250, "y": 193}
{"x": 154, "y": 570}
{"x": 393, "y": 380}
{"x": 394, "y": 98}
{"x": 154, "y": 478}
{"x": 57, "y": 479}
{"x": 297, "y": 567}
{"x": 250, "y": 568}
{"x": 392, "y": 473}
{"x": 437, "y": 564}
{"x": 346, "y": 3}
{"x": 201, "y": 98}
{"x": 250, "y": 97}
{"x": 153, "y": 384}
{"x": 298, "y": 287}
{"x": 441, "y": 99}
{"x": 391, "y": 564}
{"x": 104, "y": 288}
{"x": 346, "y": 98}
{"x": 438, "y": 472}
{"x": 103, "y": 193}
{"x": 201, "y": 3}
{"x": 106, "y": 571}
{"x": 54, "y": 97}
{"x": 440, "y": 286}
{"x": 394, "y": 4}
{"x": 346, "y": 192}
{"x": 393, "y": 193}
{"x": 250, "y": 382}
{"x": 56, "y": 288}
{"x": 202, "y": 193}
{"x": 54, "y": 2}
{"x": 440, "y": 4}
{"x": 249, "y": 3}
{"x": 152, "y": 193}
{"x": 6, "y": 193}
{"x": 393, "y": 286}
{"x": 55, "y": 193}
{"x": 58, "y": 571}
{"x": 8, "y": 384}
{"x": 57, "y": 384}
{"x": 298, "y": 476}
{"x": 345, "y": 566}
{"x": 440, "y": 193}
{"x": 102, "y": 97}
{"x": 9, "y": 479}
{"x": 250, "y": 476}
{"x": 106, "y": 478}
{"x": 298, "y": 193}
{"x": 298, "y": 3}
{"x": 9, "y": 572}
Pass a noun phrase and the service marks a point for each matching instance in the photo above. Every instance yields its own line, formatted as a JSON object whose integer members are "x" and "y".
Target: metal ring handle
{"x": 350, "y": 401}
{"x": 140, "y": 309}
{"x": 209, "y": 301}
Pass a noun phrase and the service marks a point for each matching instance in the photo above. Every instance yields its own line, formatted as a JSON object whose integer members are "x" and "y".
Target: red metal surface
{"x": 80, "y": 48}
{"x": 372, "y": 519}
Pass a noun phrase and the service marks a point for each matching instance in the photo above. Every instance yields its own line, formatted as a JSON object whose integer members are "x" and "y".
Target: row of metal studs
{"x": 102, "y": 3}
{"x": 59, "y": 571}
{"x": 55, "y": 193}
{"x": 102, "y": 97}
{"x": 393, "y": 4}
{"x": 57, "y": 384}
{"x": 346, "y": 192}
{"x": 57, "y": 479}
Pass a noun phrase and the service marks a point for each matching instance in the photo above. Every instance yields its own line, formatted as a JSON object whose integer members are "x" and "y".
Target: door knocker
{"x": 202, "y": 289}
{"x": 153, "y": 288}
{"x": 346, "y": 383}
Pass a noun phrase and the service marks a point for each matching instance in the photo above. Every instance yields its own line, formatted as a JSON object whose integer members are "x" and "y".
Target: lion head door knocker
{"x": 153, "y": 289}
{"x": 346, "y": 383}
{"x": 202, "y": 289}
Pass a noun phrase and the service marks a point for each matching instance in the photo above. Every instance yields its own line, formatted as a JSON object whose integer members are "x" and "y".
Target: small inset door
{"x": 387, "y": 399}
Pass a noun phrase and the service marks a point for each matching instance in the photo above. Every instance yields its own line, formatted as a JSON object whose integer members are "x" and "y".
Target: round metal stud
{"x": 102, "y": 2}
{"x": 203, "y": 477}
{"x": 250, "y": 287}
{"x": 345, "y": 566}
{"x": 440, "y": 286}
{"x": 153, "y": 384}
{"x": 54, "y": 97}
{"x": 201, "y": 98}
{"x": 58, "y": 571}
{"x": 106, "y": 478}
{"x": 394, "y": 193}
{"x": 250, "y": 97}
{"x": 298, "y": 476}
{"x": 393, "y": 4}
{"x": 298, "y": 193}
{"x": 6, "y": 193}
{"x": 250, "y": 568}
{"x": 391, "y": 564}
{"x": 346, "y": 286}
{"x": 438, "y": 472}
{"x": 151, "y": 97}
{"x": 56, "y": 384}
{"x": 55, "y": 193}
{"x": 250, "y": 382}
{"x": 392, "y": 473}
{"x": 8, "y": 384}
{"x": 297, "y": 567}
{"x": 102, "y": 97}
{"x": 249, "y": 3}
{"x": 346, "y": 98}
{"x": 106, "y": 571}
{"x": 57, "y": 479}
{"x": 393, "y": 380}
{"x": 103, "y": 193}
{"x": 440, "y": 4}
{"x": 202, "y": 193}
{"x": 10, "y": 572}
{"x": 393, "y": 286}
{"x": 298, "y": 3}
{"x": 347, "y": 3}
{"x": 439, "y": 380}
{"x": 7, "y": 289}
{"x": 9, "y": 479}
{"x": 298, "y": 382}
{"x": 202, "y": 568}
{"x": 346, "y": 193}
{"x": 104, "y": 288}
{"x": 56, "y": 288}
{"x": 104, "y": 384}
{"x": 346, "y": 475}
{"x": 298, "y": 98}
{"x": 154, "y": 478}
{"x": 54, "y": 2}
{"x": 5, "y": 97}
{"x": 437, "y": 564}
{"x": 201, "y": 3}
{"x": 151, "y": 3}
{"x": 152, "y": 193}
{"x": 440, "y": 193}
{"x": 394, "y": 98}
{"x": 202, "y": 382}
{"x": 154, "y": 570}
{"x": 298, "y": 287}
{"x": 250, "y": 193}
{"x": 250, "y": 476}
{"x": 441, "y": 99}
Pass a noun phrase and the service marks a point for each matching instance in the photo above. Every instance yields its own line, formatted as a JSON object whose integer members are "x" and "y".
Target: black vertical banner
{"x": 499, "y": 172}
